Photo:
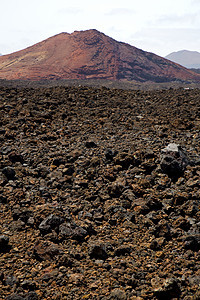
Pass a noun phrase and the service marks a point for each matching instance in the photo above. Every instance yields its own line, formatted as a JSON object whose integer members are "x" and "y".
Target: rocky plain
{"x": 99, "y": 193}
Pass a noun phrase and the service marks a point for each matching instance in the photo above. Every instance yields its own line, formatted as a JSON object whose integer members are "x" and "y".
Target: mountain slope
{"x": 89, "y": 54}
{"x": 186, "y": 58}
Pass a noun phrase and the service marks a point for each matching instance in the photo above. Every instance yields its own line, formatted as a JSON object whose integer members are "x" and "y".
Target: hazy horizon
{"x": 153, "y": 26}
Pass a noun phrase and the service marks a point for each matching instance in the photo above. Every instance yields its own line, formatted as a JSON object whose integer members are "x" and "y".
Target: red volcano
{"x": 90, "y": 54}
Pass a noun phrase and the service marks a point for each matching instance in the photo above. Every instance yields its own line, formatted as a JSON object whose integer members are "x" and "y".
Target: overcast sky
{"x": 158, "y": 26}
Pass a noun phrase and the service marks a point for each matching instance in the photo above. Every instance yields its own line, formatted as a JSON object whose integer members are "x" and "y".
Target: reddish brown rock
{"x": 45, "y": 250}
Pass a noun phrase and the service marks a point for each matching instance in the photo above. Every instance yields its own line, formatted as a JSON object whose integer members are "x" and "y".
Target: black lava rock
{"x": 169, "y": 291}
{"x": 98, "y": 251}
{"x": 51, "y": 222}
{"x": 4, "y": 240}
{"x": 173, "y": 160}
{"x": 9, "y": 172}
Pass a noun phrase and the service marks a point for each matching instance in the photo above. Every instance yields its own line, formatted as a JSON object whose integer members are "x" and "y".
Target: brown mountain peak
{"x": 89, "y": 54}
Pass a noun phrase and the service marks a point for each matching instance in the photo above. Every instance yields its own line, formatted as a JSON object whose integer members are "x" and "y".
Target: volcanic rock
{"x": 9, "y": 172}
{"x": 4, "y": 240}
{"x": 98, "y": 251}
{"x": 174, "y": 160}
{"x": 15, "y": 297}
{"x": 169, "y": 290}
{"x": 118, "y": 294}
{"x": 50, "y": 222}
{"x": 45, "y": 250}
{"x": 104, "y": 221}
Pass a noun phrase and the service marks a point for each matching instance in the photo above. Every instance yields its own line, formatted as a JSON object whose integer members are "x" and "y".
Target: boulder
{"x": 173, "y": 160}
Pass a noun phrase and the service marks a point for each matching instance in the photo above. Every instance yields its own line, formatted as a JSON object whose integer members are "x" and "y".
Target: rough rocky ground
{"x": 91, "y": 207}
{"x": 111, "y": 84}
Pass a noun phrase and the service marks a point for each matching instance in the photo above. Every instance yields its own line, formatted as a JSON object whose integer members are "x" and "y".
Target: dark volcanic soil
{"x": 91, "y": 208}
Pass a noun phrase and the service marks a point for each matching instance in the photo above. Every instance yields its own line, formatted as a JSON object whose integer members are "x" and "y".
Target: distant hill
{"x": 186, "y": 58}
{"x": 90, "y": 54}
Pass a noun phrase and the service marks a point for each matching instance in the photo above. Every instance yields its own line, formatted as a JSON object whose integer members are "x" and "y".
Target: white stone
{"x": 172, "y": 147}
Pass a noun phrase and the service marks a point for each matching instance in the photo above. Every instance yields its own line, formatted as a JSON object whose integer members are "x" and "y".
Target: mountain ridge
{"x": 89, "y": 54}
{"x": 186, "y": 58}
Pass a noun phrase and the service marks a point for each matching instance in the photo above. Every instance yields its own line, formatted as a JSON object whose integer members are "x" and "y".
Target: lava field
{"x": 99, "y": 193}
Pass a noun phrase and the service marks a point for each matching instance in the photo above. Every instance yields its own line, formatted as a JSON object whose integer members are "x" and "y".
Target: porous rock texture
{"x": 87, "y": 211}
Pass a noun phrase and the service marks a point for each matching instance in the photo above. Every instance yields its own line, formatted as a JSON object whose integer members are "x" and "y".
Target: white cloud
{"x": 195, "y": 2}
{"x": 164, "y": 40}
{"x": 120, "y": 11}
{"x": 190, "y": 20}
{"x": 70, "y": 10}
